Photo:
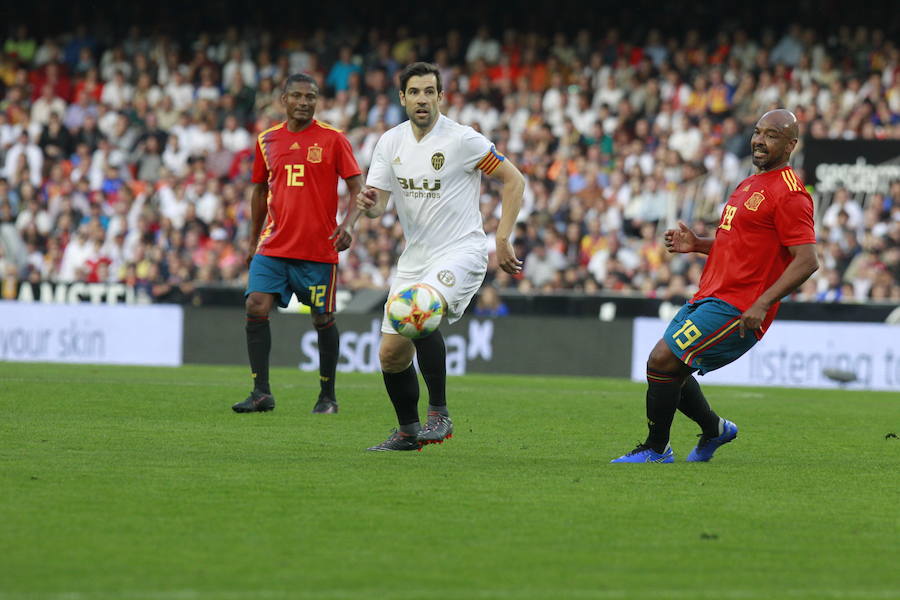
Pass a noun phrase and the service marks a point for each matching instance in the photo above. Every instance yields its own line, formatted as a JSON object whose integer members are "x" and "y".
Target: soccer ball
{"x": 415, "y": 311}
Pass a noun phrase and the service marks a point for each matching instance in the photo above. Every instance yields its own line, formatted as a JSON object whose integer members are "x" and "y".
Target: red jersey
{"x": 765, "y": 215}
{"x": 302, "y": 171}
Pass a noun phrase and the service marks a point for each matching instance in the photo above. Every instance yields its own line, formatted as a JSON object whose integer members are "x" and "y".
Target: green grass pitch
{"x": 140, "y": 483}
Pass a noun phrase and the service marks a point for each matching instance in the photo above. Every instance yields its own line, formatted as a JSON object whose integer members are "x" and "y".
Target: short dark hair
{"x": 299, "y": 78}
{"x": 420, "y": 68}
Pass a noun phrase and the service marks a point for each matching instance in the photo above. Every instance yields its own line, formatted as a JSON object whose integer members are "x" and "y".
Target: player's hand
{"x": 506, "y": 258}
{"x": 250, "y": 255}
{"x": 681, "y": 239}
{"x": 366, "y": 199}
{"x": 752, "y": 319}
{"x": 341, "y": 238}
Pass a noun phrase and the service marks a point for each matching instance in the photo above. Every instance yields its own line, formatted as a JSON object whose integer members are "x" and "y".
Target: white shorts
{"x": 457, "y": 277}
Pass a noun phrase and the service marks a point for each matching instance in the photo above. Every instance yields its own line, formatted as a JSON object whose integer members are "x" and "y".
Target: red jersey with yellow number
{"x": 302, "y": 170}
{"x": 765, "y": 215}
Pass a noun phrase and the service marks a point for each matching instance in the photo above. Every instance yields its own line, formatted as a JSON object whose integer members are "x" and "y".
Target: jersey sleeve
{"x": 346, "y": 165}
{"x": 479, "y": 153}
{"x": 260, "y": 166}
{"x": 794, "y": 219}
{"x": 380, "y": 173}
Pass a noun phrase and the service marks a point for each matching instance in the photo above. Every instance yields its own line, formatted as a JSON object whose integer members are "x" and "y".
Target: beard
{"x": 423, "y": 121}
{"x": 763, "y": 162}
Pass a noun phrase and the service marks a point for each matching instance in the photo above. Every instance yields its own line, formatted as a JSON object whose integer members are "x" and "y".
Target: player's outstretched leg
{"x": 402, "y": 386}
{"x": 431, "y": 354}
{"x": 329, "y": 350}
{"x": 259, "y": 344}
{"x": 726, "y": 431}
{"x": 665, "y": 374}
{"x": 695, "y": 407}
{"x": 716, "y": 431}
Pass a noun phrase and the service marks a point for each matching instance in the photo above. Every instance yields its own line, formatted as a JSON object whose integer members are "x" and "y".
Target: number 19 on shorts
{"x": 687, "y": 335}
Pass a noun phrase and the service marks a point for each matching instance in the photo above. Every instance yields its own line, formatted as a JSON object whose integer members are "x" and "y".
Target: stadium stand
{"x": 126, "y": 158}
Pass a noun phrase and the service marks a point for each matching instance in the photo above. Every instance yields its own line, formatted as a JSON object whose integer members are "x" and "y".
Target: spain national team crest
{"x": 437, "y": 161}
{"x": 754, "y": 201}
{"x": 314, "y": 154}
{"x": 447, "y": 277}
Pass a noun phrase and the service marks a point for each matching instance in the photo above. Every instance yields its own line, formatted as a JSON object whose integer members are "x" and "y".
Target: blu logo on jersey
{"x": 427, "y": 185}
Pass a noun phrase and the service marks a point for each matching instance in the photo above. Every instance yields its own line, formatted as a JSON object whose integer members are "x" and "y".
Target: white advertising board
{"x": 796, "y": 354}
{"x": 89, "y": 333}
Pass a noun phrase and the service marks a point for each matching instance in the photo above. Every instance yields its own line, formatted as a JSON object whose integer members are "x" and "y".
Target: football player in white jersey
{"x": 431, "y": 166}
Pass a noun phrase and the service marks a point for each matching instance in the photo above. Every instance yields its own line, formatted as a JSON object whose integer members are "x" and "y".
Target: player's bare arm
{"x": 258, "y": 210}
{"x": 685, "y": 240}
{"x": 372, "y": 202}
{"x": 511, "y": 202}
{"x": 803, "y": 264}
{"x": 342, "y": 236}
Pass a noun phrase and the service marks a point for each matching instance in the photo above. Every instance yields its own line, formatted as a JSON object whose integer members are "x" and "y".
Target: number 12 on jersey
{"x": 294, "y": 175}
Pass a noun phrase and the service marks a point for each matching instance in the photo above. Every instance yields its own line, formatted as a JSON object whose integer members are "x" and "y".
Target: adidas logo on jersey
{"x": 396, "y": 161}
{"x": 295, "y": 146}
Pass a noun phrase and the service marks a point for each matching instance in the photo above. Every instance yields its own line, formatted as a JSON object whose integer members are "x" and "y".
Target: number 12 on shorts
{"x": 690, "y": 332}
{"x": 317, "y": 295}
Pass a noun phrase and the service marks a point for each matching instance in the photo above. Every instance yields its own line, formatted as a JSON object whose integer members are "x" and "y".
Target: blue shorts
{"x": 314, "y": 283}
{"x": 705, "y": 335}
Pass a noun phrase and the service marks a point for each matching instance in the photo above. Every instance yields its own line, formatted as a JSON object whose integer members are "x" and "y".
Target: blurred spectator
{"x": 127, "y": 158}
{"x": 47, "y": 104}
{"x": 489, "y": 303}
{"x": 542, "y": 265}
{"x": 339, "y": 76}
{"x": 24, "y": 161}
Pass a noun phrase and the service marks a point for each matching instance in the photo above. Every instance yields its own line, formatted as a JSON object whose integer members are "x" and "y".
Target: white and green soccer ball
{"x": 415, "y": 311}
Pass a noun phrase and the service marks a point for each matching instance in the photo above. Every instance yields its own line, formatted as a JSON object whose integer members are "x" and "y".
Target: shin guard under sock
{"x": 329, "y": 350}
{"x": 663, "y": 392}
{"x": 431, "y": 354}
{"x": 694, "y": 406}
{"x": 259, "y": 343}
{"x": 403, "y": 390}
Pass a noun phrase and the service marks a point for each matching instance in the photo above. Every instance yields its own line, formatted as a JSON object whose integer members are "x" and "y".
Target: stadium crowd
{"x": 128, "y": 160}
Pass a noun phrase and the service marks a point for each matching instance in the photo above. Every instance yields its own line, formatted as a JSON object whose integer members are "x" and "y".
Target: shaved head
{"x": 774, "y": 138}
{"x": 783, "y": 120}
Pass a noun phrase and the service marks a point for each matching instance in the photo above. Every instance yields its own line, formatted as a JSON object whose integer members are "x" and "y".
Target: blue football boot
{"x": 706, "y": 447}
{"x": 646, "y": 454}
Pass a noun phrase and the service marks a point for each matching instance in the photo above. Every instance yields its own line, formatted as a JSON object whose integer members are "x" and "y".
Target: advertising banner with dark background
{"x": 514, "y": 345}
{"x": 857, "y": 165}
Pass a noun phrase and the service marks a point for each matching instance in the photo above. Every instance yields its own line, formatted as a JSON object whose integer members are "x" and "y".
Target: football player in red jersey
{"x": 294, "y": 235}
{"x": 764, "y": 248}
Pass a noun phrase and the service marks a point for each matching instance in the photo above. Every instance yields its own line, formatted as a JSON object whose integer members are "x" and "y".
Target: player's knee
{"x": 661, "y": 359}
{"x": 257, "y": 305}
{"x": 323, "y": 321}
{"x": 390, "y": 360}
{"x": 394, "y": 358}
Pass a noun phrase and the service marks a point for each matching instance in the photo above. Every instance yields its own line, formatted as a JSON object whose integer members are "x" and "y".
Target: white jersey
{"x": 435, "y": 184}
